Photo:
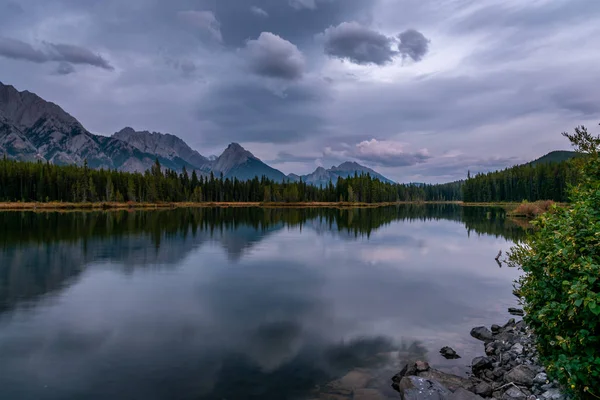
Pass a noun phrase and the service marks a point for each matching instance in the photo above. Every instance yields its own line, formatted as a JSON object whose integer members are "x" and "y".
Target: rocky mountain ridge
{"x": 32, "y": 128}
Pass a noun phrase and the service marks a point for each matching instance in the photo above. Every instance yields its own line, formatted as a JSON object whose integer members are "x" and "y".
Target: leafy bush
{"x": 561, "y": 281}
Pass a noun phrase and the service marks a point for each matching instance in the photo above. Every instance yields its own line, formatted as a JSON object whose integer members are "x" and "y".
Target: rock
{"x": 513, "y": 393}
{"x": 540, "y": 378}
{"x": 496, "y": 328}
{"x": 368, "y": 394}
{"x": 482, "y": 333}
{"x": 483, "y": 389}
{"x": 480, "y": 363}
{"x": 417, "y": 388}
{"x": 517, "y": 348}
{"x": 462, "y": 394}
{"x": 422, "y": 366}
{"x": 408, "y": 370}
{"x": 510, "y": 324}
{"x": 516, "y": 311}
{"x": 490, "y": 349}
{"x": 552, "y": 394}
{"x": 450, "y": 381}
{"x": 521, "y": 375}
{"x": 449, "y": 353}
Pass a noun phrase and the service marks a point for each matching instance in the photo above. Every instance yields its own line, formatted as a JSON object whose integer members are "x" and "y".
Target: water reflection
{"x": 240, "y": 303}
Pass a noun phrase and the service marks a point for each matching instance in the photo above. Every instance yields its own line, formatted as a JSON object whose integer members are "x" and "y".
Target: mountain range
{"x": 32, "y": 128}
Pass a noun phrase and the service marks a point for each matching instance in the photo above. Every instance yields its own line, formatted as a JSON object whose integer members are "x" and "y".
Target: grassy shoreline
{"x": 60, "y": 206}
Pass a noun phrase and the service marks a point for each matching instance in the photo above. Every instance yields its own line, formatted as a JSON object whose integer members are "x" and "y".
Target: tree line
{"x": 544, "y": 181}
{"x": 45, "y": 182}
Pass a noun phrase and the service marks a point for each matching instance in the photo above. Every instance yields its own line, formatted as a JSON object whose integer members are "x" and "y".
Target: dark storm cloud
{"x": 65, "y": 68}
{"x": 359, "y": 44}
{"x": 413, "y": 44}
{"x": 274, "y": 57}
{"x": 19, "y": 50}
{"x": 261, "y": 115}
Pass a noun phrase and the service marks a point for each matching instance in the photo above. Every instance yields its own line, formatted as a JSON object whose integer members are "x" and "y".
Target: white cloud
{"x": 203, "y": 20}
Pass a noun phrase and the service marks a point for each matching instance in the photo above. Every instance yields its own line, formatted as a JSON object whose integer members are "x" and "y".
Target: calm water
{"x": 242, "y": 303}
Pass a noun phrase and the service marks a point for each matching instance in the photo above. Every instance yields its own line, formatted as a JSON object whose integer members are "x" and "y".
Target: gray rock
{"x": 483, "y": 389}
{"x": 480, "y": 363}
{"x": 510, "y": 324}
{"x": 496, "y": 328}
{"x": 417, "y": 388}
{"x": 462, "y": 394}
{"x": 517, "y": 348}
{"x": 513, "y": 393}
{"x": 552, "y": 394}
{"x": 540, "y": 378}
{"x": 482, "y": 333}
{"x": 521, "y": 375}
{"x": 449, "y": 353}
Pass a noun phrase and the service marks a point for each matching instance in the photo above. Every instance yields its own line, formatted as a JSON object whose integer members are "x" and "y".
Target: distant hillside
{"x": 555, "y": 157}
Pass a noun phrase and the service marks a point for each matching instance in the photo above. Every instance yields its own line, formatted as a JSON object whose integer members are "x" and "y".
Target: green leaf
{"x": 578, "y": 302}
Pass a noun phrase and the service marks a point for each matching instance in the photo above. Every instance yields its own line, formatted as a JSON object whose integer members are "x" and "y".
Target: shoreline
{"x": 510, "y": 370}
{"x": 100, "y": 206}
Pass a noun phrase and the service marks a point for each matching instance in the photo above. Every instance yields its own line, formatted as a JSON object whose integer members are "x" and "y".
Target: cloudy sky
{"x": 421, "y": 90}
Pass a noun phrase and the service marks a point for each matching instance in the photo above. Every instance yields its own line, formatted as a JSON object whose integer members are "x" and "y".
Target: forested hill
{"x": 542, "y": 179}
{"x": 555, "y": 157}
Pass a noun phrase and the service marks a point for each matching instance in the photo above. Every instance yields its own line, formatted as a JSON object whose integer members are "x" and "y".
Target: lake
{"x": 243, "y": 303}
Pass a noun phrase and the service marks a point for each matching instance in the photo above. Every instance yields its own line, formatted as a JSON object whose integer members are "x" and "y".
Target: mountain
{"x": 322, "y": 176}
{"x": 165, "y": 145}
{"x": 555, "y": 157}
{"x": 32, "y": 128}
{"x": 237, "y": 162}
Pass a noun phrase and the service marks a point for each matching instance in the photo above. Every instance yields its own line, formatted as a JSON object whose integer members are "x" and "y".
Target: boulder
{"x": 450, "y": 381}
{"x": 449, "y": 353}
{"x": 521, "y": 375}
{"x": 496, "y": 328}
{"x": 482, "y": 333}
{"x": 422, "y": 366}
{"x": 483, "y": 389}
{"x": 516, "y": 311}
{"x": 513, "y": 393}
{"x": 480, "y": 363}
{"x": 462, "y": 394}
{"x": 418, "y": 388}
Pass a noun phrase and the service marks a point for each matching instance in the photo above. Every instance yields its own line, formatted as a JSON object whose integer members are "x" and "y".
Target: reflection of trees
{"x": 40, "y": 252}
{"x": 43, "y": 228}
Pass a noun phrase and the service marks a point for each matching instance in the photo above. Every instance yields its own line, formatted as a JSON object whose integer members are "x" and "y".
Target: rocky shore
{"x": 509, "y": 371}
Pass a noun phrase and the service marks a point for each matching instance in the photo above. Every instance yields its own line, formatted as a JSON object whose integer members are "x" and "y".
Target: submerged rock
{"x": 449, "y": 353}
{"x": 483, "y": 389}
{"x": 516, "y": 311}
{"x": 482, "y": 333}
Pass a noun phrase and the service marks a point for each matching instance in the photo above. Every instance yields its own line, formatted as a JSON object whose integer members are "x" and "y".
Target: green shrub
{"x": 561, "y": 280}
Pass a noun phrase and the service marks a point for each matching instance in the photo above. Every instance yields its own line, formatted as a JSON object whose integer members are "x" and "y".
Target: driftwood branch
{"x": 498, "y": 258}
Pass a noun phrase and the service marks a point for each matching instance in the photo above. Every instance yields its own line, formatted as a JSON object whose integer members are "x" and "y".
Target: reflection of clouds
{"x": 383, "y": 254}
